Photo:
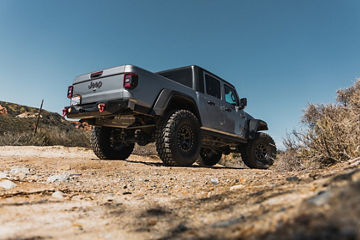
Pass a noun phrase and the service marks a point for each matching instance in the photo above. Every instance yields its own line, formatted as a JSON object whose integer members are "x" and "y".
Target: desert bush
{"x": 46, "y": 137}
{"x": 331, "y": 132}
{"x": 288, "y": 160}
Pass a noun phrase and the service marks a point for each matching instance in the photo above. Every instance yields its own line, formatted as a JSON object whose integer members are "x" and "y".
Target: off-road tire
{"x": 208, "y": 157}
{"x": 172, "y": 150}
{"x": 103, "y": 148}
{"x": 260, "y": 152}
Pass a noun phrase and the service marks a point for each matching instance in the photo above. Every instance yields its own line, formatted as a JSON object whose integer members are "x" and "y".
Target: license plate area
{"x": 75, "y": 100}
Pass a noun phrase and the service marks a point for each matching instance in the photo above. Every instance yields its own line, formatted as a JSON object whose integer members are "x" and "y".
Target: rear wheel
{"x": 178, "y": 139}
{"x": 105, "y": 146}
{"x": 259, "y": 152}
{"x": 209, "y": 157}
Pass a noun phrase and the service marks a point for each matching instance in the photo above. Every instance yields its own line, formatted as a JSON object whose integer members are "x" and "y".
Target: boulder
{"x": 28, "y": 115}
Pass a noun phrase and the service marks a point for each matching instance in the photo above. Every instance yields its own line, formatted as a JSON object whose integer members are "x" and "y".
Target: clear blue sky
{"x": 280, "y": 54}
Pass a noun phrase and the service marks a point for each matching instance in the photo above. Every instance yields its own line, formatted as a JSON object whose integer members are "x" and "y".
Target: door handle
{"x": 211, "y": 103}
{"x": 228, "y": 109}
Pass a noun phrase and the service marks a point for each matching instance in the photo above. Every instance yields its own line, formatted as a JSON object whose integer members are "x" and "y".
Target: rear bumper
{"x": 92, "y": 111}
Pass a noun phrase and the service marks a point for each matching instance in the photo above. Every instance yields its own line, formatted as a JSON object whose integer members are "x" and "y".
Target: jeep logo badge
{"x": 95, "y": 85}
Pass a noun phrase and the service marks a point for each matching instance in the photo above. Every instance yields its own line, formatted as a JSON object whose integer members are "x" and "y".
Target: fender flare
{"x": 256, "y": 125}
{"x": 166, "y": 96}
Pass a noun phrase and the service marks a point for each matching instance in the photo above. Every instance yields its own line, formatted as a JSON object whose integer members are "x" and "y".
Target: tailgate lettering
{"x": 95, "y": 85}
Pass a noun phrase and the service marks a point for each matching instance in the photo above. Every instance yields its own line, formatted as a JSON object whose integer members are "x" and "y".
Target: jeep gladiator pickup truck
{"x": 190, "y": 113}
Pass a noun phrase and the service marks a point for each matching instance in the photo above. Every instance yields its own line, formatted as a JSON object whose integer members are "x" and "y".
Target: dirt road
{"x": 66, "y": 193}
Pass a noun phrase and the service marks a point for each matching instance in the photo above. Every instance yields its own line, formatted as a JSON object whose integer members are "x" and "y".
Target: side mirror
{"x": 243, "y": 103}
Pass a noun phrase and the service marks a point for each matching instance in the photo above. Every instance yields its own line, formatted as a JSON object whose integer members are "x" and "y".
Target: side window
{"x": 230, "y": 95}
{"x": 183, "y": 76}
{"x": 212, "y": 86}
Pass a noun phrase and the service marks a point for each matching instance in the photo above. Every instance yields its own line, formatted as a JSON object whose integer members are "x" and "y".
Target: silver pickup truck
{"x": 190, "y": 113}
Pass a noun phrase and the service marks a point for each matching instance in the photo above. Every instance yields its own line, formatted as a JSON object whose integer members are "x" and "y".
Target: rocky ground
{"x": 67, "y": 193}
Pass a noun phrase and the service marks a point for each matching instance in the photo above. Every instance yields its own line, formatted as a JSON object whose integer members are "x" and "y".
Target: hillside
{"x": 17, "y": 123}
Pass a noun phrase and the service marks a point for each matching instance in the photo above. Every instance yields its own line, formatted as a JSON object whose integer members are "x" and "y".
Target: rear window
{"x": 183, "y": 76}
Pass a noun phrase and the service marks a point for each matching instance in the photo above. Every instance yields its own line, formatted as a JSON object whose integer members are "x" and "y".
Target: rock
{"x": 7, "y": 184}
{"x": 236, "y": 187}
{"x": 3, "y": 175}
{"x": 354, "y": 162}
{"x": 28, "y": 115}
{"x": 109, "y": 197}
{"x": 17, "y": 170}
{"x": 214, "y": 181}
{"x": 228, "y": 223}
{"x": 152, "y": 222}
{"x": 321, "y": 198}
{"x": 78, "y": 225}
{"x": 58, "y": 178}
{"x": 76, "y": 198}
{"x": 58, "y": 195}
{"x": 292, "y": 179}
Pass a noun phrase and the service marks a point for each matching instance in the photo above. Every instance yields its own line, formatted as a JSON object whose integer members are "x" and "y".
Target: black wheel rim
{"x": 262, "y": 154}
{"x": 185, "y": 138}
{"x": 116, "y": 142}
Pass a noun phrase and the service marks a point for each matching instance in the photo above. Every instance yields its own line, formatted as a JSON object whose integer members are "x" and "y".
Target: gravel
{"x": 141, "y": 199}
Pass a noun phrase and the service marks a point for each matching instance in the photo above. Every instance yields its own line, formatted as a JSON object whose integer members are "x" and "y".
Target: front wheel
{"x": 104, "y": 144}
{"x": 178, "y": 138}
{"x": 259, "y": 152}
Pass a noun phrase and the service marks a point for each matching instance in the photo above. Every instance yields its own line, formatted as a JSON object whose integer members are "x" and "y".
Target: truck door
{"x": 234, "y": 118}
{"x": 210, "y": 103}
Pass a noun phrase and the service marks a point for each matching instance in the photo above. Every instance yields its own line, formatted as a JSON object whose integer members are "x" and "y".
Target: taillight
{"x": 101, "y": 107}
{"x": 130, "y": 80}
{"x": 64, "y": 112}
{"x": 70, "y": 92}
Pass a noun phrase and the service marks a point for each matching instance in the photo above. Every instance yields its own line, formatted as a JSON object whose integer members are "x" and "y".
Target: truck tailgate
{"x": 100, "y": 86}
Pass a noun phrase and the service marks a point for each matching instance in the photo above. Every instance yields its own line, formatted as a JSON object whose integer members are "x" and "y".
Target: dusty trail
{"x": 141, "y": 199}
